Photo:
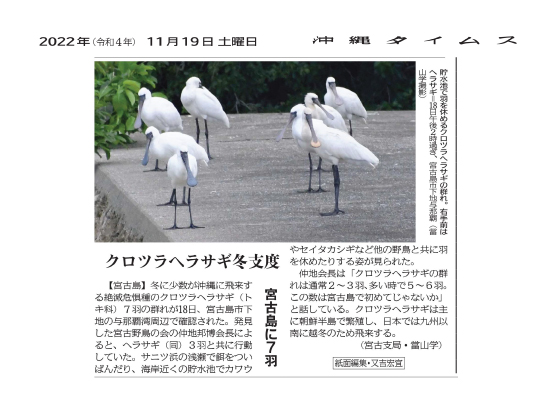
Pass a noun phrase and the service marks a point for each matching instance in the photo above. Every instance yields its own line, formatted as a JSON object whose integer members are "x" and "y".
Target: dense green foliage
{"x": 241, "y": 87}
{"x": 277, "y": 86}
{"x": 116, "y": 94}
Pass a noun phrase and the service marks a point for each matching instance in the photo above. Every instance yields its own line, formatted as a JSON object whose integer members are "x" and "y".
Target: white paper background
{"x": 507, "y": 181}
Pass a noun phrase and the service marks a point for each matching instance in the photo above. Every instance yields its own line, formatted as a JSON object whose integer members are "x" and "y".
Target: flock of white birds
{"x": 316, "y": 128}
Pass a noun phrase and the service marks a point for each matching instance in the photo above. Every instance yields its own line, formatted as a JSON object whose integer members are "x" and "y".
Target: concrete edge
{"x": 133, "y": 216}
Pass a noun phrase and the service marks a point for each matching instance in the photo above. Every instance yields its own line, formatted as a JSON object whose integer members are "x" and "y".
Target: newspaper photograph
{"x": 242, "y": 199}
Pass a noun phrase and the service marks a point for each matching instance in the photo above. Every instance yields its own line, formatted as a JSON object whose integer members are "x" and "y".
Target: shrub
{"x": 261, "y": 87}
{"x": 116, "y": 96}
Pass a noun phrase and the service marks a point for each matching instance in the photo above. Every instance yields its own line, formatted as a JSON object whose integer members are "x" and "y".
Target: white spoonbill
{"x": 333, "y": 146}
{"x": 328, "y": 115}
{"x": 157, "y": 112}
{"x": 309, "y": 146}
{"x": 182, "y": 169}
{"x": 164, "y": 146}
{"x": 345, "y": 101}
{"x": 200, "y": 102}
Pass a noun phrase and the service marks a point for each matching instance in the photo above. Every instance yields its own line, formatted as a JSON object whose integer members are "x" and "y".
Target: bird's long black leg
{"x": 318, "y": 169}
{"x": 336, "y": 188}
{"x": 207, "y": 142}
{"x": 350, "y": 121}
{"x": 175, "y": 218}
{"x": 310, "y": 171}
{"x": 184, "y": 203}
{"x": 319, "y": 166}
{"x": 320, "y": 189}
{"x": 170, "y": 200}
{"x": 197, "y": 131}
{"x": 190, "y": 214}
{"x": 309, "y": 190}
{"x": 157, "y": 169}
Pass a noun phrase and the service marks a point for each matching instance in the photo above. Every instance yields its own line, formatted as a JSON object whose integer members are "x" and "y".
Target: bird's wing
{"x": 352, "y": 102}
{"x": 198, "y": 152}
{"x": 358, "y": 109}
{"x": 345, "y": 147}
{"x": 338, "y": 122}
{"x": 175, "y": 140}
{"x": 207, "y": 95}
{"x": 167, "y": 114}
{"x": 208, "y": 104}
{"x": 194, "y": 149}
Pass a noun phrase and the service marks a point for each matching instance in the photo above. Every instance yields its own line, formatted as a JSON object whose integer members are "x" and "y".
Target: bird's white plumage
{"x": 351, "y": 103}
{"x": 301, "y": 135}
{"x": 164, "y": 146}
{"x": 201, "y": 103}
{"x": 318, "y": 114}
{"x": 334, "y": 146}
{"x": 338, "y": 146}
{"x": 159, "y": 113}
{"x": 177, "y": 171}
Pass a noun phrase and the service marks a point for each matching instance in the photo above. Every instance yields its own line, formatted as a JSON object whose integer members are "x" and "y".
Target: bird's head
{"x": 331, "y": 85}
{"x": 151, "y": 132}
{"x": 312, "y": 99}
{"x": 295, "y": 112}
{"x": 194, "y": 82}
{"x": 309, "y": 99}
{"x": 144, "y": 93}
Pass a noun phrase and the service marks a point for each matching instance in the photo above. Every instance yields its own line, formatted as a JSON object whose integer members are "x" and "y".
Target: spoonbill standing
{"x": 333, "y": 145}
{"x": 200, "y": 103}
{"x": 296, "y": 117}
{"x": 157, "y": 112}
{"x": 345, "y": 101}
{"x": 328, "y": 115}
{"x": 182, "y": 169}
{"x": 164, "y": 146}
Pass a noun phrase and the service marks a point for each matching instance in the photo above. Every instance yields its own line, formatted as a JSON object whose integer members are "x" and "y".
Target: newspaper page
{"x": 282, "y": 198}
